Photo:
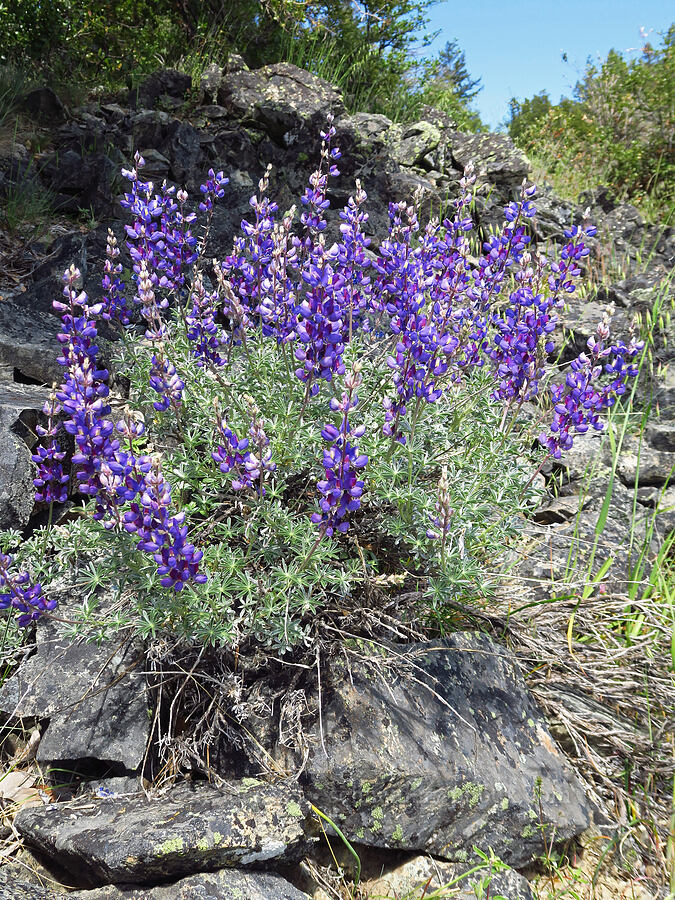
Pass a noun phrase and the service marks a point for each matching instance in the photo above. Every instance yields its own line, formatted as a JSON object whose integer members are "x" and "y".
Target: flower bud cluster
{"x": 442, "y": 521}
{"x": 114, "y": 295}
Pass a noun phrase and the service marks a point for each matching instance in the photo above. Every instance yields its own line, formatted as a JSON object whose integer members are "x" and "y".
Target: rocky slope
{"x": 461, "y": 756}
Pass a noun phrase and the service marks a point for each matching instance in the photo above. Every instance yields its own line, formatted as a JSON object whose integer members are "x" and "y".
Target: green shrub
{"x": 618, "y": 130}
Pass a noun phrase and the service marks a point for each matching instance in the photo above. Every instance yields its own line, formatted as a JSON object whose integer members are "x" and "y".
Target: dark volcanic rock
{"x": 44, "y": 105}
{"x": 282, "y": 98}
{"x": 93, "y": 696}
{"x": 209, "y": 83}
{"x": 407, "y": 879}
{"x": 80, "y": 181}
{"x": 162, "y": 83}
{"x": 197, "y": 828}
{"x": 238, "y": 93}
{"x": 20, "y": 406}
{"x": 441, "y": 753}
{"x": 417, "y": 141}
{"x": 640, "y": 465}
{"x": 12, "y": 888}
{"x": 494, "y": 156}
{"x": 226, "y": 884}
{"x": 28, "y": 343}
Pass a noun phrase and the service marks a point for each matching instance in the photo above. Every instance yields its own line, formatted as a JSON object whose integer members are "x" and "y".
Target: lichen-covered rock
{"x": 443, "y": 752}
{"x": 417, "y": 141}
{"x": 197, "y": 828}
{"x": 422, "y": 872}
{"x": 494, "y": 156}
{"x": 239, "y": 92}
{"x": 282, "y": 98}
{"x": 93, "y": 696}
{"x": 210, "y": 82}
{"x": 226, "y": 884}
{"x": 438, "y": 117}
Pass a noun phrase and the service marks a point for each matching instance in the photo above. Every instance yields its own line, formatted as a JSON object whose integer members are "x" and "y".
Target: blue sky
{"x": 516, "y": 47}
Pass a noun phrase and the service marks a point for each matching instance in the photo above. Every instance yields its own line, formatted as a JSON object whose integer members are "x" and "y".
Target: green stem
{"x": 357, "y": 874}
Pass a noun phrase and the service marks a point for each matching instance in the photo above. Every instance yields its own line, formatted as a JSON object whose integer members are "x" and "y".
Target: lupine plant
{"x": 306, "y": 418}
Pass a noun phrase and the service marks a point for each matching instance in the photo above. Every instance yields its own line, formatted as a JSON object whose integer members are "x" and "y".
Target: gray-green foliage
{"x": 268, "y": 579}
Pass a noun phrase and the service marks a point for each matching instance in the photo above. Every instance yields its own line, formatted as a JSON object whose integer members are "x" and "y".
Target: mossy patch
{"x": 293, "y": 809}
{"x": 397, "y": 834}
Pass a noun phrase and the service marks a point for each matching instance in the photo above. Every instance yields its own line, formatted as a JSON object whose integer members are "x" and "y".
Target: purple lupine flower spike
{"x": 341, "y": 489}
{"x": 234, "y": 456}
{"x": 202, "y": 329}
{"x": 578, "y": 401}
{"x": 114, "y": 298}
{"x": 51, "y": 481}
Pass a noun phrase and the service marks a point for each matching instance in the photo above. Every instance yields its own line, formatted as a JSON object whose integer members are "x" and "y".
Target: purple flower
{"x": 162, "y": 535}
{"x": 51, "y": 481}
{"x": 17, "y": 593}
{"x": 341, "y": 489}
{"x": 212, "y": 189}
{"x": 353, "y": 260}
{"x": 114, "y": 299}
{"x": 578, "y": 401}
{"x": 202, "y": 328}
{"x": 234, "y": 456}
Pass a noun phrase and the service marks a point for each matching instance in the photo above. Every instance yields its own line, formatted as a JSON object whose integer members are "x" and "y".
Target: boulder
{"x": 196, "y": 828}
{"x": 183, "y": 147}
{"x": 417, "y": 141}
{"x": 420, "y": 873}
{"x": 438, "y": 117}
{"x": 239, "y": 92}
{"x": 20, "y": 409}
{"x": 494, "y": 156}
{"x": 93, "y": 696}
{"x": 44, "y": 105}
{"x": 282, "y": 98}
{"x": 226, "y": 884}
{"x": 438, "y": 747}
{"x": 641, "y": 466}
{"x": 80, "y": 181}
{"x": 164, "y": 83}
{"x": 28, "y": 343}
{"x": 209, "y": 83}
